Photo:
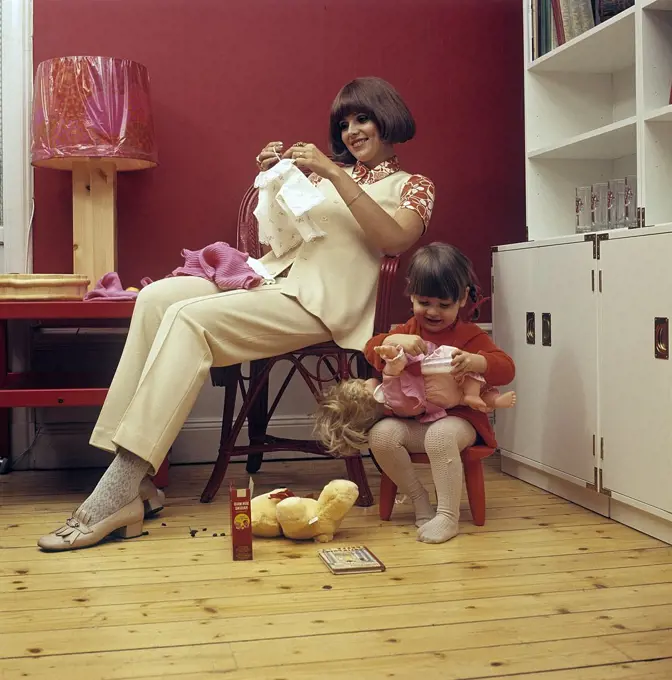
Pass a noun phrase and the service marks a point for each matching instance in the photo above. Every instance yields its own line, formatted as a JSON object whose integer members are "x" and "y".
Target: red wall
{"x": 224, "y": 83}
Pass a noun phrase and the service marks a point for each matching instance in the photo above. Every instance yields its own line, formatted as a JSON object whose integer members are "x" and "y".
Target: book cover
{"x": 350, "y": 560}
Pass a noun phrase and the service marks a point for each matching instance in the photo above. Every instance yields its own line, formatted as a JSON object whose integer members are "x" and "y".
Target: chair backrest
{"x": 248, "y": 241}
{"x": 247, "y": 234}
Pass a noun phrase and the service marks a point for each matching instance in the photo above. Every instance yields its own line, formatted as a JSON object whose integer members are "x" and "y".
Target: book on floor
{"x": 350, "y": 560}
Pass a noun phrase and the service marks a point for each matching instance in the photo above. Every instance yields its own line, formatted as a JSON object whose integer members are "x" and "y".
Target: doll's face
{"x": 434, "y": 314}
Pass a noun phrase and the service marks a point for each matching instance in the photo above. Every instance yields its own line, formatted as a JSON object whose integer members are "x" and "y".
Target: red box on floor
{"x": 241, "y": 522}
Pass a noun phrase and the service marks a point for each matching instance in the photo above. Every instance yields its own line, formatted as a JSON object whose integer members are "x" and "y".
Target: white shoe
{"x": 154, "y": 499}
{"x": 78, "y": 532}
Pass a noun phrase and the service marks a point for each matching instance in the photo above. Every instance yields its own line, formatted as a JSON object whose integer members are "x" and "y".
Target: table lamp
{"x": 92, "y": 116}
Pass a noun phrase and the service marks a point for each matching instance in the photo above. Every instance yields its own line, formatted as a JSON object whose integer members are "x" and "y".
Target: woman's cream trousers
{"x": 181, "y": 327}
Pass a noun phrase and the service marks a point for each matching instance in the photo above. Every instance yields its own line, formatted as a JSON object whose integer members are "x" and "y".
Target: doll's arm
{"x": 394, "y": 357}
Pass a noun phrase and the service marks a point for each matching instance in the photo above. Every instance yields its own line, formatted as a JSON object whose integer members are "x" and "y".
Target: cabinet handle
{"x": 546, "y": 329}
{"x": 530, "y": 328}
{"x": 661, "y": 341}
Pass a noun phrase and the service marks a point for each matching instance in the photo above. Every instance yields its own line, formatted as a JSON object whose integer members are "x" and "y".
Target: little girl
{"x": 440, "y": 283}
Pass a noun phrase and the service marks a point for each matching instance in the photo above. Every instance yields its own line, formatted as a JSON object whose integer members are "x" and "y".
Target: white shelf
{"x": 607, "y": 48}
{"x": 606, "y": 143}
{"x": 658, "y": 4}
{"x": 661, "y": 115}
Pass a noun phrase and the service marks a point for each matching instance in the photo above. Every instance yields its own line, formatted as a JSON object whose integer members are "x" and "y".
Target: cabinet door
{"x": 554, "y": 421}
{"x": 635, "y": 386}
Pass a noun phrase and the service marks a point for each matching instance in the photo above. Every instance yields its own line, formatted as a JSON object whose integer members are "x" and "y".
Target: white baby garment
{"x": 286, "y": 196}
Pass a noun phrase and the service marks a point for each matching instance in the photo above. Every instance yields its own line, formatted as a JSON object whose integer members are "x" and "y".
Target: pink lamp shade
{"x": 92, "y": 108}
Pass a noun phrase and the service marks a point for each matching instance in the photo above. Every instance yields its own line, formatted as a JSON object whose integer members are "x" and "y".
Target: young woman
{"x": 182, "y": 326}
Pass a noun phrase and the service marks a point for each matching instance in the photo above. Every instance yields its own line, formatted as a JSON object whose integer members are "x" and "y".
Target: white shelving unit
{"x": 586, "y": 317}
{"x": 596, "y": 108}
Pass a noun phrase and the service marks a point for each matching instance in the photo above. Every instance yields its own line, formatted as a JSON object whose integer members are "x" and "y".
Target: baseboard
{"x": 559, "y": 487}
{"x": 199, "y": 440}
{"x": 66, "y": 445}
{"x": 641, "y": 520}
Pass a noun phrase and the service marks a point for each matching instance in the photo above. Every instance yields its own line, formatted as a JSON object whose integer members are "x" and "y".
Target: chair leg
{"x": 224, "y": 454}
{"x": 160, "y": 479}
{"x": 473, "y": 474}
{"x": 257, "y": 420}
{"x": 388, "y": 494}
{"x": 357, "y": 474}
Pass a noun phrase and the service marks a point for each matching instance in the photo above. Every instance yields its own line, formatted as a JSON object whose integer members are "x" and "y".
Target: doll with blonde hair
{"x": 444, "y": 419}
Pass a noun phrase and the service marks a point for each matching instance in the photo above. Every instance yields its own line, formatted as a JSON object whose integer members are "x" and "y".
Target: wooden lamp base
{"x": 94, "y": 218}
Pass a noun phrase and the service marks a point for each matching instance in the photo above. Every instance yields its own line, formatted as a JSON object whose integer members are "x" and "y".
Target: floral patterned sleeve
{"x": 418, "y": 195}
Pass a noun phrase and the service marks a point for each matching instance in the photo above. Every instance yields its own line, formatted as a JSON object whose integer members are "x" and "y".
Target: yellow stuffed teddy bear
{"x": 280, "y": 512}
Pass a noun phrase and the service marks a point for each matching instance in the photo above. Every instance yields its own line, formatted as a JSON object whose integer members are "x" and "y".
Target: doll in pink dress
{"x": 423, "y": 386}
{"x": 419, "y": 387}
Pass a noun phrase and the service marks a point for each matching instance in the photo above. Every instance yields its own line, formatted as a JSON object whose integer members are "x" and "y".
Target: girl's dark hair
{"x": 442, "y": 271}
{"x": 377, "y": 99}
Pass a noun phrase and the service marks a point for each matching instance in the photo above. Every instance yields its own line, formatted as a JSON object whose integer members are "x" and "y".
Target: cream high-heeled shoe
{"x": 153, "y": 498}
{"x": 78, "y": 532}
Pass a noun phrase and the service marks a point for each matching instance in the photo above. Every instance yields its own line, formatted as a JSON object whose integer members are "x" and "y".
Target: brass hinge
{"x": 593, "y": 487}
{"x": 601, "y": 448}
{"x": 643, "y": 217}
{"x": 603, "y": 489}
{"x": 600, "y": 281}
{"x": 596, "y": 240}
{"x": 492, "y": 285}
{"x": 592, "y": 280}
{"x": 594, "y": 437}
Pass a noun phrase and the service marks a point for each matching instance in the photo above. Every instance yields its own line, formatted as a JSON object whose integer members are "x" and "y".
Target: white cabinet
{"x": 635, "y": 372}
{"x": 593, "y": 421}
{"x": 545, "y": 315}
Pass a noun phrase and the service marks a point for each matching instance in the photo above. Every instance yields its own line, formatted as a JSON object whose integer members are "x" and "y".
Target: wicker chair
{"x": 333, "y": 364}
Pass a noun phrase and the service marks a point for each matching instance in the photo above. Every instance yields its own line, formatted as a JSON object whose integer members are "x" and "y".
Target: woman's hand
{"x": 411, "y": 344}
{"x": 465, "y": 362}
{"x": 269, "y": 155}
{"x": 309, "y": 156}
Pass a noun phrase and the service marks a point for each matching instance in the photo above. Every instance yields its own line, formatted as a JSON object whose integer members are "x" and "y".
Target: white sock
{"x": 117, "y": 487}
{"x": 444, "y": 440}
{"x": 390, "y": 440}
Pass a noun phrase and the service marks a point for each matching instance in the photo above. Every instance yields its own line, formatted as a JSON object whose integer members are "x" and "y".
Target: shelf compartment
{"x": 607, "y": 48}
{"x": 662, "y": 5}
{"x": 656, "y": 59}
{"x": 661, "y": 115}
{"x": 657, "y": 141}
{"x": 551, "y": 191}
{"x": 605, "y": 143}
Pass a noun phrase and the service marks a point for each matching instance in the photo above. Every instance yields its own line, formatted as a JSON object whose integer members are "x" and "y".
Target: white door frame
{"x": 16, "y": 67}
{"x": 17, "y": 92}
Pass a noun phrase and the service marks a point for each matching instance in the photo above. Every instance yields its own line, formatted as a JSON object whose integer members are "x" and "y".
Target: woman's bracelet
{"x": 352, "y": 200}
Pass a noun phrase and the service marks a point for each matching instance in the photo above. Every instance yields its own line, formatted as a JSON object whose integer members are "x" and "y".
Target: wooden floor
{"x": 544, "y": 590}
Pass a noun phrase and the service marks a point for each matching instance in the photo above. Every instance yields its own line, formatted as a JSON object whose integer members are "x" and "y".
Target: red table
{"x": 39, "y": 390}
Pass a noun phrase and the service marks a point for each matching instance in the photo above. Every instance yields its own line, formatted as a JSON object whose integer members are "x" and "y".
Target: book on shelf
{"x": 606, "y": 9}
{"x": 350, "y": 560}
{"x": 554, "y": 22}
